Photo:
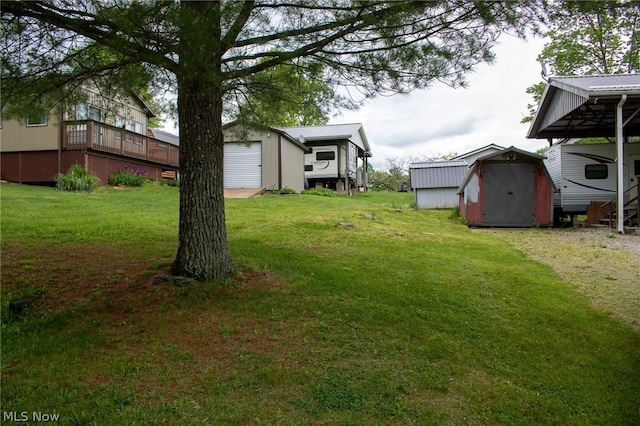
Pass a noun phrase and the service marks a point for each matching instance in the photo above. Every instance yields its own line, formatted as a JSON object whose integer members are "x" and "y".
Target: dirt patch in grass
{"x": 603, "y": 265}
{"x": 98, "y": 277}
{"x": 164, "y": 333}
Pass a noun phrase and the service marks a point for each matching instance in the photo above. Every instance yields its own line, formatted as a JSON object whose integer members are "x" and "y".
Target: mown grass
{"x": 352, "y": 310}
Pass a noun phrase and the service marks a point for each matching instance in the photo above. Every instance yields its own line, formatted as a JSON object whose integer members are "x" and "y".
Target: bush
{"x": 319, "y": 191}
{"x": 170, "y": 182}
{"x": 130, "y": 176}
{"x": 287, "y": 190}
{"x": 126, "y": 179}
{"x": 77, "y": 179}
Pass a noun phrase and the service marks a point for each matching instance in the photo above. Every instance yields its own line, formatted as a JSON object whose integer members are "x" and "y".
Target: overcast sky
{"x": 442, "y": 120}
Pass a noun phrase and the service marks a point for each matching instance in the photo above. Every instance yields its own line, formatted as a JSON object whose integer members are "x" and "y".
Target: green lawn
{"x": 347, "y": 310}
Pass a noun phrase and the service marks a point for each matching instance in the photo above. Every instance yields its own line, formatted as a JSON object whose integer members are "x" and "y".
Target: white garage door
{"x": 242, "y": 165}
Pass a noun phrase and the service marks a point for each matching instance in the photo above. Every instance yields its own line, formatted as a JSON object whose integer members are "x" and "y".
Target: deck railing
{"x": 89, "y": 134}
{"x": 608, "y": 210}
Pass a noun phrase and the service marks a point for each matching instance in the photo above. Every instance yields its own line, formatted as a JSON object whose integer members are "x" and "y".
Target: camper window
{"x": 325, "y": 155}
{"x": 596, "y": 171}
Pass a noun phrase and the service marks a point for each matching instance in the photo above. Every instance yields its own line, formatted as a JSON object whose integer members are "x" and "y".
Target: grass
{"x": 347, "y": 310}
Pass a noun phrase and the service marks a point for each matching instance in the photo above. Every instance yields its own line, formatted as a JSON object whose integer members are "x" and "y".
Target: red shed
{"x": 509, "y": 188}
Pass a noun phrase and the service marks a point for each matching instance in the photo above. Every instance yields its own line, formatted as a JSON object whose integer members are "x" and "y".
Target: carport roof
{"x": 585, "y": 106}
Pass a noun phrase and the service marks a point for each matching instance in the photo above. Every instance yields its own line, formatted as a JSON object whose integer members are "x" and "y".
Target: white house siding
{"x": 436, "y": 198}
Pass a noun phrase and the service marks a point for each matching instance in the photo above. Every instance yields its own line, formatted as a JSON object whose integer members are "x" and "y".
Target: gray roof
{"x": 436, "y": 164}
{"x": 585, "y": 106}
{"x": 437, "y": 174}
{"x": 478, "y": 150}
{"x": 500, "y": 156}
{"x": 353, "y": 132}
{"x": 165, "y": 136}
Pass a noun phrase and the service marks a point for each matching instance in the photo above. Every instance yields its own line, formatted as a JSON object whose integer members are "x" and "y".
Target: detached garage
{"x": 268, "y": 159}
{"x": 510, "y": 188}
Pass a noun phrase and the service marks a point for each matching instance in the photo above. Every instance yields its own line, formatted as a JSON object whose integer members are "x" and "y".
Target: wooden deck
{"x": 93, "y": 135}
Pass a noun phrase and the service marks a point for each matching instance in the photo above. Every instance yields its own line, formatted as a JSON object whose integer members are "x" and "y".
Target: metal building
{"x": 435, "y": 183}
{"x": 510, "y": 188}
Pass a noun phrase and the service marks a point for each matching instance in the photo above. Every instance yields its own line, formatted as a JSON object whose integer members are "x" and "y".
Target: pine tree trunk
{"x": 203, "y": 252}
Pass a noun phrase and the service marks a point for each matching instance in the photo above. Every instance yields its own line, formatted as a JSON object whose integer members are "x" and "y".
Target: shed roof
{"x": 504, "y": 155}
{"x": 492, "y": 146}
{"x": 437, "y": 174}
{"x": 585, "y": 106}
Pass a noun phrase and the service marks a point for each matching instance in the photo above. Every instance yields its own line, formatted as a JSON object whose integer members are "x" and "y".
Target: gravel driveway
{"x": 602, "y": 264}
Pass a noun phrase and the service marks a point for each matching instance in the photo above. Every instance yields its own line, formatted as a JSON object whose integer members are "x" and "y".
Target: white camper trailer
{"x": 326, "y": 165}
{"x": 337, "y": 157}
{"x": 585, "y": 173}
{"x": 321, "y": 162}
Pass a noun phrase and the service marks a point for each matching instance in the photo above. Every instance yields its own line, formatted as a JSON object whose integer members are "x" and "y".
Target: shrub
{"x": 319, "y": 191}
{"x": 77, "y": 179}
{"x": 126, "y": 179}
{"x": 170, "y": 182}
{"x": 287, "y": 190}
{"x": 130, "y": 176}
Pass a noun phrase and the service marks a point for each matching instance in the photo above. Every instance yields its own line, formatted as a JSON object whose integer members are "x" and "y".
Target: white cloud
{"x": 442, "y": 120}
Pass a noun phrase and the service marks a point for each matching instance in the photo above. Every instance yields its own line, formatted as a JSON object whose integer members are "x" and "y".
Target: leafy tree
{"x": 397, "y": 171}
{"x": 290, "y": 94}
{"x": 210, "y": 51}
{"x": 589, "y": 38}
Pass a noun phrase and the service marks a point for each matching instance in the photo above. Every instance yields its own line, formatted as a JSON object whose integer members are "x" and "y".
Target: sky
{"x": 441, "y": 120}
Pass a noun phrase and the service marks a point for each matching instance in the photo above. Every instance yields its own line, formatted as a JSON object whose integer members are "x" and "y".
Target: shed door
{"x": 508, "y": 194}
{"x": 243, "y": 165}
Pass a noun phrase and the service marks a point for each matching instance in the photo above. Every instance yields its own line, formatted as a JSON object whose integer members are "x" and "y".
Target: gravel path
{"x": 602, "y": 264}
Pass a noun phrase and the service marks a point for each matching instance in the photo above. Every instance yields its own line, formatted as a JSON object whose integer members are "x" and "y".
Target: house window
{"x": 36, "y": 121}
{"x": 596, "y": 171}
{"x": 129, "y": 125}
{"x": 84, "y": 112}
{"x": 325, "y": 155}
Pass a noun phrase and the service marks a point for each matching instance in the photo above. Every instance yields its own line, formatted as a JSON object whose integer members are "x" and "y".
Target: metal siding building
{"x": 435, "y": 183}
{"x": 511, "y": 188}
{"x": 268, "y": 159}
